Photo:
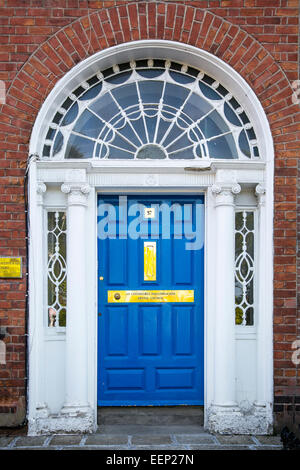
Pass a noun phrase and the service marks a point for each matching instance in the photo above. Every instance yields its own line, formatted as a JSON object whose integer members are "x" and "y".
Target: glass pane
{"x": 244, "y": 144}
{"x": 105, "y": 107}
{"x": 120, "y": 78}
{"x": 92, "y": 92}
{"x": 209, "y": 92}
{"x": 59, "y": 140}
{"x": 123, "y": 144}
{"x": 196, "y": 107}
{"x": 175, "y": 95}
{"x": 50, "y": 133}
{"x": 182, "y": 154}
{"x": 89, "y": 124}
{"x": 231, "y": 115}
{"x": 151, "y": 91}
{"x": 71, "y": 115}
{"x": 46, "y": 150}
{"x": 79, "y": 147}
{"x": 222, "y": 147}
{"x": 180, "y": 143}
{"x": 126, "y": 95}
{"x": 151, "y": 151}
{"x": 56, "y": 269}
{"x": 238, "y": 316}
{"x": 129, "y": 131}
{"x": 239, "y": 221}
{"x": 213, "y": 125}
{"x": 174, "y": 134}
{"x": 150, "y": 73}
{"x": 62, "y": 317}
{"x": 114, "y": 152}
{"x": 181, "y": 78}
{"x": 244, "y": 267}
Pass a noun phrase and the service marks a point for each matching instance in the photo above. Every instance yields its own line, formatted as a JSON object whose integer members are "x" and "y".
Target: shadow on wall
{"x": 12, "y": 409}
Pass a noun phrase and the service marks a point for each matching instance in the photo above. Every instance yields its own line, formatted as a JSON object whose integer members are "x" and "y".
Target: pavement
{"x": 146, "y": 428}
{"x": 140, "y": 438}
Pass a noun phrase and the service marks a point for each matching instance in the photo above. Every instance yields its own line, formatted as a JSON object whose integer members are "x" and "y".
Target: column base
{"x": 71, "y": 419}
{"x": 240, "y": 419}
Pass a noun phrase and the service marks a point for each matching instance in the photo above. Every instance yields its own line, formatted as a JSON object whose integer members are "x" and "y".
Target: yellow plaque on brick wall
{"x": 10, "y": 267}
{"x": 117, "y": 296}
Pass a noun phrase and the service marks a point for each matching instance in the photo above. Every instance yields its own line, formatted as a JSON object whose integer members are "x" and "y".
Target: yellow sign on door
{"x": 117, "y": 296}
{"x": 10, "y": 267}
{"x": 149, "y": 261}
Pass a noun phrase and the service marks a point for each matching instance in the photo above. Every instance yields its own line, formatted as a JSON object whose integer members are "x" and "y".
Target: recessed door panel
{"x": 150, "y": 330}
{"x": 117, "y": 330}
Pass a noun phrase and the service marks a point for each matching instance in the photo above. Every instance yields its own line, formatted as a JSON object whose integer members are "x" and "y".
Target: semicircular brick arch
{"x": 136, "y": 21}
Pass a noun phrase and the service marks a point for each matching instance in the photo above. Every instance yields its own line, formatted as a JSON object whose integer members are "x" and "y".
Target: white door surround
{"x": 63, "y": 361}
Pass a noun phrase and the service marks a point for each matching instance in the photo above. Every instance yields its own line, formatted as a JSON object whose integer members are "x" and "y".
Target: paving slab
{"x": 30, "y": 441}
{"x": 235, "y": 439}
{"x": 132, "y": 429}
{"x": 269, "y": 440}
{"x": 268, "y": 448}
{"x": 150, "y": 410}
{"x": 152, "y": 447}
{"x": 147, "y": 439}
{"x": 194, "y": 438}
{"x": 107, "y": 439}
{"x": 97, "y": 448}
{"x": 217, "y": 447}
{"x": 146, "y": 420}
{"x": 205, "y": 447}
{"x": 5, "y": 440}
{"x": 66, "y": 440}
{"x": 30, "y": 448}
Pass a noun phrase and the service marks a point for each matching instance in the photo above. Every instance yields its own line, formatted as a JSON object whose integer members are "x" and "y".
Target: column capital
{"x": 77, "y": 193}
{"x": 41, "y": 188}
{"x": 225, "y": 192}
{"x": 260, "y": 192}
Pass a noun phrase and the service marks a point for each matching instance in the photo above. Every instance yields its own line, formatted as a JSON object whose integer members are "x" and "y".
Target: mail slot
{"x": 138, "y": 296}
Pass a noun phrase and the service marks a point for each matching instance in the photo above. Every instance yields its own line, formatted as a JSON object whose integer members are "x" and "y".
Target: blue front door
{"x": 150, "y": 307}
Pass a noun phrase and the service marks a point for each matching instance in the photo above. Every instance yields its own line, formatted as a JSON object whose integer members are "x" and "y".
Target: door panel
{"x": 150, "y": 349}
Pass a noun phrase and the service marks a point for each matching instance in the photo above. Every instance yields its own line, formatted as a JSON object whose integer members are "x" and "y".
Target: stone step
{"x": 139, "y": 429}
{"x": 159, "y": 416}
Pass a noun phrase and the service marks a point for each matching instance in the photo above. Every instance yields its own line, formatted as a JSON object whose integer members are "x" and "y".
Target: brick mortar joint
{"x": 91, "y": 12}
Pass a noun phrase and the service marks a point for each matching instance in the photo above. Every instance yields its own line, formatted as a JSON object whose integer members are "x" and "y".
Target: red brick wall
{"x": 40, "y": 40}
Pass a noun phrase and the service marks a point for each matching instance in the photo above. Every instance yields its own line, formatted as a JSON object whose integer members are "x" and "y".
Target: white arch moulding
{"x": 243, "y": 354}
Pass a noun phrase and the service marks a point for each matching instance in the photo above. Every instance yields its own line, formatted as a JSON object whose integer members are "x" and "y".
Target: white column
{"x": 224, "y": 370}
{"x": 41, "y": 406}
{"x": 260, "y": 317}
{"x": 76, "y": 394}
{"x": 36, "y": 405}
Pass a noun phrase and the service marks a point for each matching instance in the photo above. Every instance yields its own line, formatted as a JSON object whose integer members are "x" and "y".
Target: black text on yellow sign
{"x": 114, "y": 296}
{"x": 10, "y": 267}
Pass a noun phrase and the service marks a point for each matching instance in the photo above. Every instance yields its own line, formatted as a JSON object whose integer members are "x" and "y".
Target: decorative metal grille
{"x": 151, "y": 109}
{"x": 56, "y": 269}
{"x": 244, "y": 268}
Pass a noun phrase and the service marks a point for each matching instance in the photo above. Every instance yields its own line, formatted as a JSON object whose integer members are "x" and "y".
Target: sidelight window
{"x": 244, "y": 267}
{"x": 56, "y": 268}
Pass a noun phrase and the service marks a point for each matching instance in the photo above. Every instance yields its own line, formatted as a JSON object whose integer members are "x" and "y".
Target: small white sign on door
{"x": 149, "y": 213}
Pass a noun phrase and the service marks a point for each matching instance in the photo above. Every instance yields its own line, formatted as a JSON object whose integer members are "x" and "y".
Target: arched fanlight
{"x": 150, "y": 109}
